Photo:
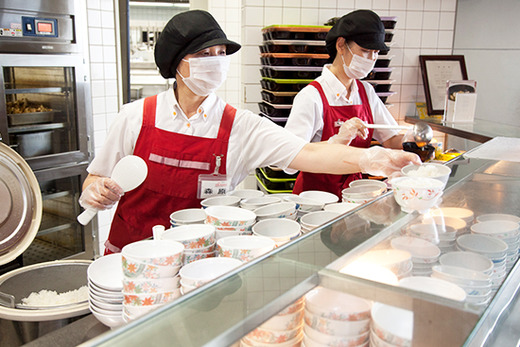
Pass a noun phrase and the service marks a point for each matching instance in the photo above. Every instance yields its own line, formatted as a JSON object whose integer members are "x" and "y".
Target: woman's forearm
{"x": 322, "y": 157}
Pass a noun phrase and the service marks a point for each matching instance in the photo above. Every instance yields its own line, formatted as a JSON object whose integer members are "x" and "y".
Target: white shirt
{"x": 306, "y": 118}
{"x": 254, "y": 141}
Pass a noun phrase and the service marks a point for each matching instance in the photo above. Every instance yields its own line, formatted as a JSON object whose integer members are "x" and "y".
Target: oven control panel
{"x": 33, "y": 26}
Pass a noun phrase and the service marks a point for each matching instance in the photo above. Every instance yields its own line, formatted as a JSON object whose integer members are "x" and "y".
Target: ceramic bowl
{"x": 220, "y": 201}
{"x": 459, "y": 275}
{"x": 109, "y": 299}
{"x": 294, "y": 342}
{"x": 150, "y": 299}
{"x": 458, "y": 212}
{"x": 305, "y": 204}
{"x": 434, "y": 286}
{"x": 109, "y": 307}
{"x": 284, "y": 322}
{"x": 277, "y": 229}
{"x": 340, "y": 207}
{"x": 192, "y": 236}
{"x": 111, "y": 321}
{"x": 422, "y": 251}
{"x": 205, "y": 270}
{"x": 188, "y": 216}
{"x": 340, "y": 306}
{"x": 498, "y": 216}
{"x": 334, "y": 340}
{"x": 229, "y": 216}
{"x": 276, "y": 210}
{"x": 356, "y": 201}
{"x": 133, "y": 312}
{"x": 321, "y": 196}
{"x": 336, "y": 327}
{"x": 268, "y": 336}
{"x": 368, "y": 182}
{"x": 467, "y": 260}
{"x": 294, "y": 307}
{"x": 154, "y": 252}
{"x": 254, "y": 203}
{"x": 396, "y": 260}
{"x": 221, "y": 233}
{"x": 373, "y": 272}
{"x": 314, "y": 219}
{"x": 246, "y": 193}
{"x": 363, "y": 191}
{"x": 393, "y": 325}
{"x": 244, "y": 247}
{"x": 433, "y": 233}
{"x": 105, "y": 272}
{"x": 376, "y": 341}
{"x": 140, "y": 270}
{"x": 188, "y": 258}
{"x": 458, "y": 224}
{"x": 417, "y": 193}
{"x": 431, "y": 170}
{"x": 491, "y": 247}
{"x": 149, "y": 285}
{"x": 502, "y": 229}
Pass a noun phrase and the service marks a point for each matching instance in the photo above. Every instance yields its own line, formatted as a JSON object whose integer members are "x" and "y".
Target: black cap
{"x": 187, "y": 33}
{"x": 364, "y": 27}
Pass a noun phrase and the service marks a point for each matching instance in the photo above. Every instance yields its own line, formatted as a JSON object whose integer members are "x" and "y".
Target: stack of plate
{"x": 313, "y": 220}
{"x": 105, "y": 285}
{"x": 490, "y": 247}
{"x": 395, "y": 260}
{"x": 391, "y": 326}
{"x": 199, "y": 272}
{"x": 505, "y": 230}
{"x": 476, "y": 284}
{"x": 335, "y": 318}
{"x": 424, "y": 253}
{"x": 187, "y": 216}
{"x": 198, "y": 240}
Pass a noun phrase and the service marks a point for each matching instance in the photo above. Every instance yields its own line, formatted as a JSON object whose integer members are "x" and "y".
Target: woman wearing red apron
{"x": 187, "y": 133}
{"x": 337, "y": 106}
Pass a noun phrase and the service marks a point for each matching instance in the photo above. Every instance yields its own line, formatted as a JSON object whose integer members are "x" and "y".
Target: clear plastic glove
{"x": 379, "y": 161}
{"x": 349, "y": 131}
{"x": 101, "y": 194}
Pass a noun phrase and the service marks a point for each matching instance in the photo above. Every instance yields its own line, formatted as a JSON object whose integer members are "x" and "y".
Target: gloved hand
{"x": 101, "y": 194}
{"x": 348, "y": 132}
{"x": 379, "y": 161}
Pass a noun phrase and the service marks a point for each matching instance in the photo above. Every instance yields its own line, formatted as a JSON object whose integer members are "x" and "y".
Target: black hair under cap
{"x": 187, "y": 33}
{"x": 364, "y": 27}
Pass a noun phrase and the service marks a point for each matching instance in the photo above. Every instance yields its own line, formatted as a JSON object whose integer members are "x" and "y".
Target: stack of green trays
{"x": 273, "y": 181}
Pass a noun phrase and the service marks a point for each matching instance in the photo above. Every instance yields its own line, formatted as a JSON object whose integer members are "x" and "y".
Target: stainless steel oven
{"x": 45, "y": 114}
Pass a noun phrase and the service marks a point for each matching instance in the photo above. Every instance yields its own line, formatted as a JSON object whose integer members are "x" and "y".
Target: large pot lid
{"x": 21, "y": 207}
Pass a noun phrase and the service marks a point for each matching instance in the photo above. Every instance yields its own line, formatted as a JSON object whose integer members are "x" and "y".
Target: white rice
{"x": 425, "y": 171}
{"x": 52, "y": 298}
{"x": 419, "y": 182}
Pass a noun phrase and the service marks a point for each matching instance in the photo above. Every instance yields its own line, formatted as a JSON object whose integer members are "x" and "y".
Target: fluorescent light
{"x": 158, "y": 4}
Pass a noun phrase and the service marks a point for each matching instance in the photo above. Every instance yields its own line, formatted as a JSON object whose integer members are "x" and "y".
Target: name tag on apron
{"x": 213, "y": 184}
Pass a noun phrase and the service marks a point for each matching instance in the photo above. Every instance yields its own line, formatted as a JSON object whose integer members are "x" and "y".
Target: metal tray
{"x": 30, "y": 118}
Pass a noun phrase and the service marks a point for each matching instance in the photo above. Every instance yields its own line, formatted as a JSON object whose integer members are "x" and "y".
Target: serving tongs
{"x": 8, "y": 300}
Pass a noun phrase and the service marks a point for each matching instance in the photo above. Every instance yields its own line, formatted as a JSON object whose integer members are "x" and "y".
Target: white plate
{"x": 107, "y": 272}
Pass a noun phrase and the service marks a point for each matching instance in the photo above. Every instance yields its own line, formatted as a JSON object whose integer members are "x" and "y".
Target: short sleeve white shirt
{"x": 254, "y": 141}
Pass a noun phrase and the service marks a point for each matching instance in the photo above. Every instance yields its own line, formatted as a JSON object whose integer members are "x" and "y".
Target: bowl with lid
{"x": 417, "y": 193}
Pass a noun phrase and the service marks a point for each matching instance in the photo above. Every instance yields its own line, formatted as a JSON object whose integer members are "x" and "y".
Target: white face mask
{"x": 206, "y": 74}
{"x": 359, "y": 66}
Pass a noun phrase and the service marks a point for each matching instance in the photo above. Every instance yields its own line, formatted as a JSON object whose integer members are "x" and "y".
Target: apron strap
{"x": 150, "y": 105}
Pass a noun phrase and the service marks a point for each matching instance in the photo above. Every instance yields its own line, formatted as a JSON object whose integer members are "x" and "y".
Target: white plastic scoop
{"x": 128, "y": 173}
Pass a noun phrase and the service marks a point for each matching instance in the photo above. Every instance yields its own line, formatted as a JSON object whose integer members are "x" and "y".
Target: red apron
{"x": 175, "y": 162}
{"x": 331, "y": 114}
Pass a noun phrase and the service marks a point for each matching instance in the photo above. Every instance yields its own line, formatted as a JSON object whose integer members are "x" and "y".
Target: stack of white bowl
{"x": 150, "y": 270}
{"x": 254, "y": 203}
{"x": 395, "y": 260}
{"x": 340, "y": 207}
{"x": 447, "y": 229}
{"x": 230, "y": 220}
{"x": 280, "y": 230}
{"x": 424, "y": 253}
{"x": 435, "y": 286}
{"x": 391, "y": 326}
{"x": 476, "y": 284}
{"x": 321, "y": 196}
{"x": 284, "y": 209}
{"x": 104, "y": 290}
{"x": 505, "y": 230}
{"x": 304, "y": 205}
{"x": 246, "y": 193}
{"x": 198, "y": 240}
{"x": 281, "y": 330}
{"x": 362, "y": 191}
{"x": 335, "y": 318}
{"x": 199, "y": 272}
{"x": 490, "y": 247}
{"x": 244, "y": 247}
{"x": 187, "y": 216}
{"x": 313, "y": 220}
{"x": 456, "y": 212}
{"x": 223, "y": 200}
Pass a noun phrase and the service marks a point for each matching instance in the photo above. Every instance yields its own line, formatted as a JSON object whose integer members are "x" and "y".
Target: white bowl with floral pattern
{"x": 417, "y": 193}
{"x": 192, "y": 236}
{"x": 244, "y": 247}
{"x": 336, "y": 305}
{"x": 205, "y": 270}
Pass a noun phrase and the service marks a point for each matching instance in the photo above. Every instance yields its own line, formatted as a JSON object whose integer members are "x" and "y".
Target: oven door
{"x": 43, "y": 109}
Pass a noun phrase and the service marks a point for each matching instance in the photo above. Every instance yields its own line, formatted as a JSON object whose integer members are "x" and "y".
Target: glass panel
{"x": 41, "y": 110}
{"x": 59, "y": 236}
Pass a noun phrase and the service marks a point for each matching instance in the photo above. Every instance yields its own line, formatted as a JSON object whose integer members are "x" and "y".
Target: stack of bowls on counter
{"x": 199, "y": 272}
{"x": 334, "y": 318}
{"x": 440, "y": 235}
{"x": 447, "y": 229}
{"x": 150, "y": 280}
{"x": 284, "y": 209}
{"x": 490, "y": 247}
{"x": 363, "y": 191}
{"x": 280, "y": 230}
{"x": 198, "y": 240}
{"x": 505, "y": 230}
{"x": 254, "y": 203}
{"x": 395, "y": 260}
{"x": 391, "y": 326}
{"x": 340, "y": 207}
{"x": 230, "y": 220}
{"x": 281, "y": 330}
{"x": 321, "y": 196}
{"x": 456, "y": 212}
{"x": 313, "y": 220}
{"x": 435, "y": 286}
{"x": 476, "y": 284}
{"x": 244, "y": 247}
{"x": 424, "y": 253}
{"x": 304, "y": 205}
{"x": 104, "y": 290}
{"x": 246, "y": 193}
{"x": 187, "y": 216}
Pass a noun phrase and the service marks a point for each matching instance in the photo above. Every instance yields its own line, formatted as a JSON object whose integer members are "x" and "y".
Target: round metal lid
{"x": 20, "y": 207}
